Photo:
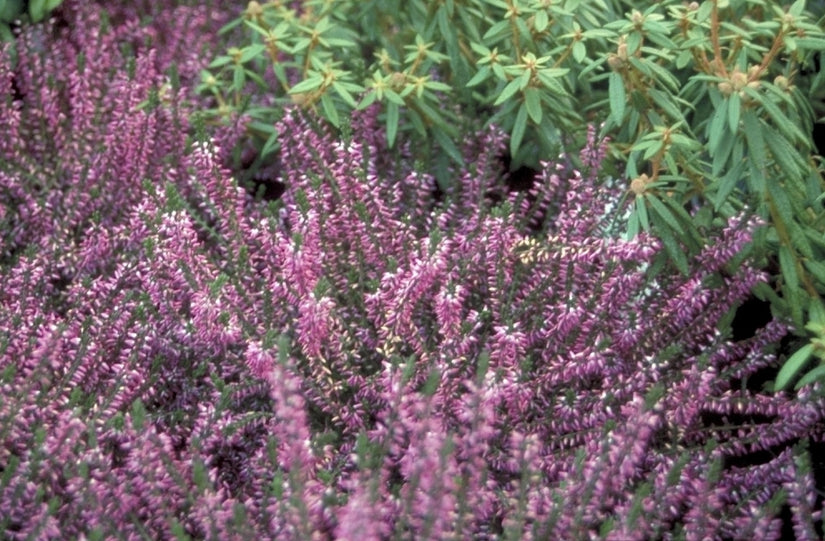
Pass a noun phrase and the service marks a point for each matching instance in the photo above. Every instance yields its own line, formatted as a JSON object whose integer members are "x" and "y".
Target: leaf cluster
{"x": 712, "y": 110}
{"x": 519, "y": 65}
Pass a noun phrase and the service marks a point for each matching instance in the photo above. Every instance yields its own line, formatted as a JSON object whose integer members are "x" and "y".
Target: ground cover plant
{"x": 709, "y": 105}
{"x": 366, "y": 356}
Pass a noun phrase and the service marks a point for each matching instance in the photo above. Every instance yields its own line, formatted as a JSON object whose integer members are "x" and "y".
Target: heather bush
{"x": 366, "y": 357}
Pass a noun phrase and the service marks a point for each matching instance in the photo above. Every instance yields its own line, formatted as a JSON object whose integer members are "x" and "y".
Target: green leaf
{"x": 499, "y": 72}
{"x": 727, "y": 184}
{"x": 532, "y": 100}
{"x": 786, "y": 215}
{"x": 756, "y": 152}
{"x": 641, "y": 211}
{"x": 796, "y": 8}
{"x": 659, "y": 208}
{"x": 633, "y": 226}
{"x": 480, "y": 76}
{"x": 238, "y": 78}
{"x": 787, "y": 263}
{"x": 783, "y": 153}
{"x": 792, "y": 366}
{"x": 138, "y": 415}
{"x": 814, "y": 375}
{"x": 417, "y": 122}
{"x": 431, "y": 384}
{"x": 330, "y": 112}
{"x": 634, "y": 41}
{"x": 717, "y": 126}
{"x": 790, "y": 291}
{"x": 270, "y": 145}
{"x": 734, "y": 107}
{"x": 480, "y": 49}
{"x": 367, "y": 100}
{"x": 496, "y": 31}
{"x": 647, "y": 144}
{"x": 345, "y": 94}
{"x": 448, "y": 146}
{"x": 549, "y": 78}
{"x": 438, "y": 86}
{"x": 672, "y": 246}
{"x": 816, "y": 44}
{"x": 524, "y": 80}
{"x": 667, "y": 103}
{"x": 653, "y": 69}
{"x": 721, "y": 155}
{"x": 508, "y": 92}
{"x": 393, "y": 97}
{"x": 10, "y": 10}
{"x": 257, "y": 78}
{"x": 817, "y": 269}
{"x": 433, "y": 115}
{"x": 252, "y": 51}
{"x": 51, "y": 5}
{"x": 816, "y": 312}
{"x": 541, "y": 20}
{"x": 618, "y": 97}
{"x": 579, "y": 51}
{"x": 788, "y": 128}
{"x": 684, "y": 58}
{"x": 653, "y": 149}
{"x": 307, "y": 85}
{"x": 392, "y": 122}
{"x": 37, "y": 10}
{"x": 519, "y": 128}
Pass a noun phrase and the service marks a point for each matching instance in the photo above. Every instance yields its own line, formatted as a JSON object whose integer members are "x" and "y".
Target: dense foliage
{"x": 369, "y": 355}
{"x": 710, "y": 105}
{"x": 366, "y": 357}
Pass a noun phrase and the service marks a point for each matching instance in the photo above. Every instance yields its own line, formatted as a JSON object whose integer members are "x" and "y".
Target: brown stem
{"x": 778, "y": 42}
{"x": 714, "y": 38}
{"x": 564, "y": 55}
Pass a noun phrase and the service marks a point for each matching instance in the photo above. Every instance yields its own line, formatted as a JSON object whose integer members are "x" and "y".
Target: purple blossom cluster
{"x": 365, "y": 358}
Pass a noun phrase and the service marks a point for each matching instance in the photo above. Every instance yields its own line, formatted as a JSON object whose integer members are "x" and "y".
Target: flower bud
{"x": 725, "y": 88}
{"x": 738, "y": 80}
{"x": 397, "y": 80}
{"x": 782, "y": 82}
{"x": 615, "y": 62}
{"x": 638, "y": 184}
{"x": 254, "y": 10}
{"x": 300, "y": 98}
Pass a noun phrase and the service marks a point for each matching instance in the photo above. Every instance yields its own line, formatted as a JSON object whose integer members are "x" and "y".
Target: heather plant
{"x": 364, "y": 357}
{"x": 709, "y": 105}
